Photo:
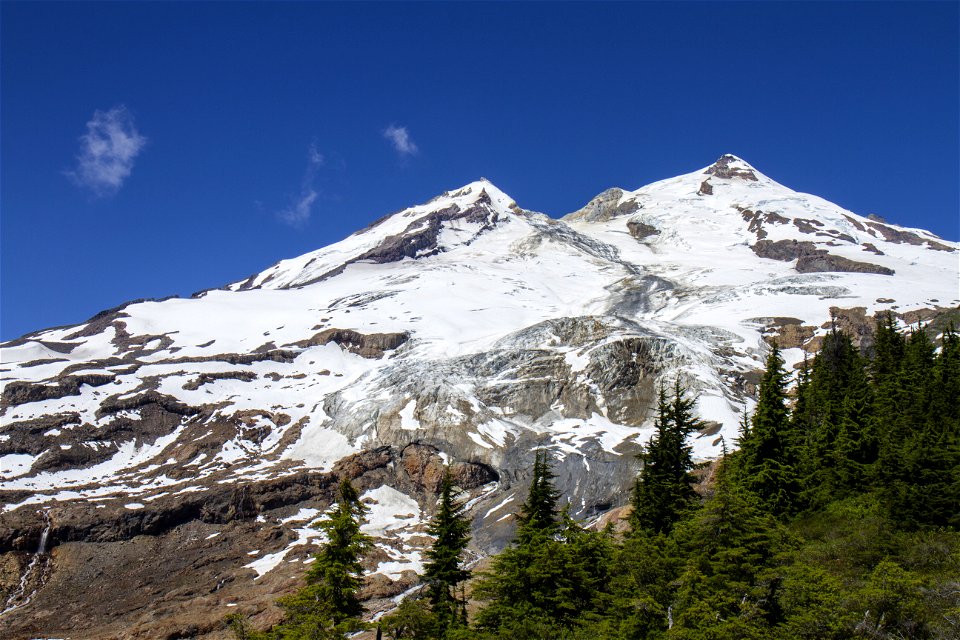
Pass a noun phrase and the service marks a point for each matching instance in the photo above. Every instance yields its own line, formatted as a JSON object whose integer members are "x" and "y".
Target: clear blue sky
{"x": 157, "y": 149}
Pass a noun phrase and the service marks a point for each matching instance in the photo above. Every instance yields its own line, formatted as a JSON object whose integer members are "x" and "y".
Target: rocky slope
{"x": 172, "y": 454}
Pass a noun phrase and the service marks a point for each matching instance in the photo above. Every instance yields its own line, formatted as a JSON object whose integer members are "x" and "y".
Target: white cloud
{"x": 107, "y": 151}
{"x": 299, "y": 212}
{"x": 400, "y": 138}
{"x": 314, "y": 157}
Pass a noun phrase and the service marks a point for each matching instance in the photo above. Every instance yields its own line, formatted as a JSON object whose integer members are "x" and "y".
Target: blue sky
{"x": 158, "y": 149}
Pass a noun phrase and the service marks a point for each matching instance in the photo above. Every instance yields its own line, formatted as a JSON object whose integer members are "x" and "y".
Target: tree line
{"x": 837, "y": 517}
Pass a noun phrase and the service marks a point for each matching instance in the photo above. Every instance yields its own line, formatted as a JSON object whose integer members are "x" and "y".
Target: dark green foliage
{"x": 768, "y": 463}
{"x": 554, "y": 576}
{"x": 729, "y": 546}
{"x": 832, "y": 522}
{"x": 444, "y": 571}
{"x": 834, "y": 416}
{"x": 923, "y": 450}
{"x": 663, "y": 492}
{"x": 412, "y": 620}
{"x": 538, "y": 514}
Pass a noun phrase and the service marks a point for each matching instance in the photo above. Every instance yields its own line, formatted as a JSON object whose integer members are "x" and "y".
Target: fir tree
{"x": 769, "y": 449}
{"x": 444, "y": 570}
{"x": 538, "y": 514}
{"x": 728, "y": 547}
{"x": 663, "y": 490}
{"x": 329, "y": 606}
{"x": 925, "y": 482}
{"x": 835, "y": 414}
{"x": 555, "y": 574}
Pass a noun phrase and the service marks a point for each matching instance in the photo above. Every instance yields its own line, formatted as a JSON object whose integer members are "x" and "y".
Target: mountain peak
{"x": 729, "y": 167}
{"x": 477, "y": 189}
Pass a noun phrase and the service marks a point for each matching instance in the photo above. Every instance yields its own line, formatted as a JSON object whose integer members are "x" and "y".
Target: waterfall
{"x": 44, "y": 536}
{"x": 35, "y": 573}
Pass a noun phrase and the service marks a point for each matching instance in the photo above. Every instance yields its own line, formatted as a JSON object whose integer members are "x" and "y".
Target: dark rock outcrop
{"x": 606, "y": 206}
{"x": 205, "y": 378}
{"x": 901, "y": 236}
{"x": 810, "y": 259}
{"x": 640, "y": 230}
{"x": 723, "y": 168}
{"x": 18, "y": 392}
{"x": 369, "y": 345}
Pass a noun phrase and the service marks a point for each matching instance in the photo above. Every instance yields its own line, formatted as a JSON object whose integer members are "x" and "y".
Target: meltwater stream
{"x": 32, "y": 578}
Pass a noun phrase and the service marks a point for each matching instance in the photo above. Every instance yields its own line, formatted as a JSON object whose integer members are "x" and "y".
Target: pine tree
{"x": 444, "y": 570}
{"x": 329, "y": 606}
{"x": 663, "y": 490}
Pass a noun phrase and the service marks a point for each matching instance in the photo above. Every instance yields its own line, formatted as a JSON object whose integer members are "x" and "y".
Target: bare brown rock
{"x": 640, "y": 230}
{"x": 370, "y": 345}
{"x": 205, "y": 378}
{"x": 606, "y": 206}
{"x": 17, "y": 392}
{"x": 900, "y": 236}
{"x": 810, "y": 259}
{"x": 722, "y": 169}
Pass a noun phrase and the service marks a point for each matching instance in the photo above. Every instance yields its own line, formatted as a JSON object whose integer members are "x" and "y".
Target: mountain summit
{"x": 184, "y": 446}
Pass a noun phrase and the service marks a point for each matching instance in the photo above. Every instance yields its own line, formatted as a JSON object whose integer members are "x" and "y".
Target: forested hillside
{"x": 836, "y": 517}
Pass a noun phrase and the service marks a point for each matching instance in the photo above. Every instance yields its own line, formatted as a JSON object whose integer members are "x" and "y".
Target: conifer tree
{"x": 444, "y": 570}
{"x": 728, "y": 545}
{"x": 924, "y": 487}
{"x": 329, "y": 606}
{"x": 663, "y": 490}
{"x": 835, "y": 414}
{"x": 538, "y": 514}
{"x": 769, "y": 449}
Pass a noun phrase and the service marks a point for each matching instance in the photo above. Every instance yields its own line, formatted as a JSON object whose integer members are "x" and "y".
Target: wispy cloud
{"x": 400, "y": 138}
{"x": 300, "y": 210}
{"x": 107, "y": 151}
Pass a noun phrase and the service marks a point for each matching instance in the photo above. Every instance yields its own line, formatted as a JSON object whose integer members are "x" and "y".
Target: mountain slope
{"x": 465, "y": 331}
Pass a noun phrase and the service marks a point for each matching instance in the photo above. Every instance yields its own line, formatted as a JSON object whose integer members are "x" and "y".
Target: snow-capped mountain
{"x": 205, "y": 433}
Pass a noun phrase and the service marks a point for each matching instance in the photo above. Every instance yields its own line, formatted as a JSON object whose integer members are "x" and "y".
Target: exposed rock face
{"x": 787, "y": 333}
{"x": 901, "y": 236}
{"x": 730, "y": 167}
{"x": 372, "y": 345}
{"x": 810, "y": 259}
{"x": 640, "y": 230}
{"x": 17, "y": 393}
{"x": 609, "y": 204}
{"x": 706, "y": 189}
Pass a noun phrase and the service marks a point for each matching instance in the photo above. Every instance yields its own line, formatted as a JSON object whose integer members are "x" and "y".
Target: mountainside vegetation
{"x": 838, "y": 516}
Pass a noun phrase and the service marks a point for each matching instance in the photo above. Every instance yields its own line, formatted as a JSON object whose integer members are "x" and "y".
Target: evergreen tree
{"x": 444, "y": 571}
{"x": 729, "y": 546}
{"x": 924, "y": 487}
{"x": 554, "y": 576}
{"x": 835, "y": 414}
{"x": 328, "y": 606}
{"x": 767, "y": 463}
{"x": 538, "y": 514}
{"x": 663, "y": 490}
